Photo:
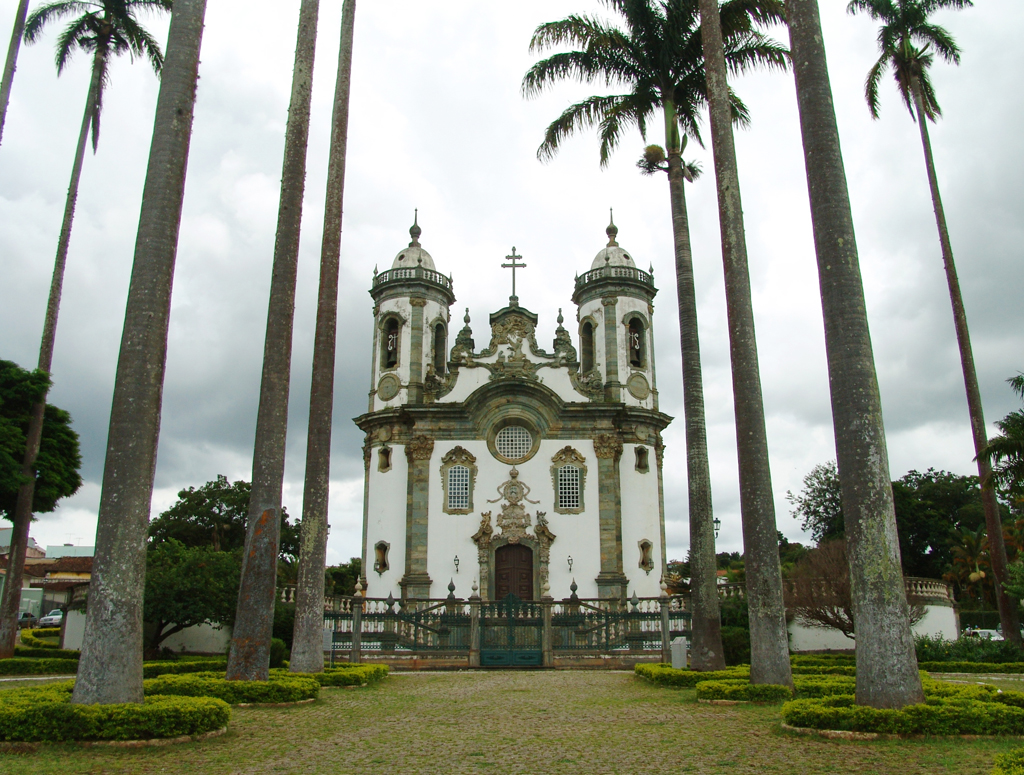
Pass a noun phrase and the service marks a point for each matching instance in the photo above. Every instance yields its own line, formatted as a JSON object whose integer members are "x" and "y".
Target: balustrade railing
{"x": 615, "y": 272}
{"x": 413, "y": 273}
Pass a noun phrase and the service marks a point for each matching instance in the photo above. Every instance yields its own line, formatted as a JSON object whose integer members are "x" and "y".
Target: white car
{"x": 986, "y": 634}
{"x": 52, "y": 619}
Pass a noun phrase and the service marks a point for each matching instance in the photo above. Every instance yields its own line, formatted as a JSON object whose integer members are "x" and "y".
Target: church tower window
{"x": 458, "y": 476}
{"x": 568, "y": 475}
{"x": 636, "y": 348}
{"x": 389, "y": 344}
{"x": 642, "y": 463}
{"x": 587, "y": 347}
{"x": 440, "y": 349}
{"x": 384, "y": 459}
{"x": 646, "y": 556}
{"x": 380, "y": 557}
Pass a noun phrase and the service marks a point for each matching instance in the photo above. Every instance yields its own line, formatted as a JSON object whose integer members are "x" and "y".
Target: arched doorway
{"x": 513, "y": 572}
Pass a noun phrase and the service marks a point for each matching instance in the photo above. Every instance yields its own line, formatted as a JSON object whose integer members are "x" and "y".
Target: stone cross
{"x": 513, "y": 266}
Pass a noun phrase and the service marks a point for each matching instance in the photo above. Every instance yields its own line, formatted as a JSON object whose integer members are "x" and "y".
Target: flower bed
{"x": 280, "y": 688}
{"x": 45, "y": 714}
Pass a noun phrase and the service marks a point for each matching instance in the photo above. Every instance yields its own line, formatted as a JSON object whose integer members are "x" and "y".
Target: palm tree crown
{"x": 657, "y": 56}
{"x": 904, "y": 40}
{"x": 102, "y": 28}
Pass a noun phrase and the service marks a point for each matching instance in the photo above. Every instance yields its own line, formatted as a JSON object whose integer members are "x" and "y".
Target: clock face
{"x": 388, "y": 387}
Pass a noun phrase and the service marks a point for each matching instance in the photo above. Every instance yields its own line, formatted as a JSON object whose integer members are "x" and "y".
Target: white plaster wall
{"x": 469, "y": 380}
{"x": 201, "y": 639}
{"x": 386, "y": 522}
{"x": 558, "y": 381}
{"x": 938, "y": 621}
{"x": 73, "y": 630}
{"x": 641, "y": 519}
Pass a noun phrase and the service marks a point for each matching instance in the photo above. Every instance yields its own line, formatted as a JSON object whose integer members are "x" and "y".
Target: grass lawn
{"x": 562, "y": 723}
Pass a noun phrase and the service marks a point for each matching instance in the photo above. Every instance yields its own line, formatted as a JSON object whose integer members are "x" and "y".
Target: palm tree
{"x": 307, "y": 653}
{"x": 887, "y": 674}
{"x": 249, "y": 657}
{"x": 971, "y": 560}
{"x": 904, "y": 24}
{"x": 12, "y": 62}
{"x": 769, "y": 637}
{"x": 1006, "y": 450}
{"x": 105, "y": 28}
{"x": 658, "y": 58}
{"x": 110, "y": 670}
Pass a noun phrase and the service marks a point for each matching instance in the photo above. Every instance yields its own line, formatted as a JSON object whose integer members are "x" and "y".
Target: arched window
{"x": 635, "y": 345}
{"x": 646, "y": 555}
{"x": 458, "y": 475}
{"x": 568, "y": 487}
{"x": 389, "y": 344}
{"x": 568, "y": 475}
{"x": 440, "y": 349}
{"x": 458, "y": 488}
{"x": 384, "y": 458}
{"x": 587, "y": 347}
{"x": 642, "y": 462}
{"x": 380, "y": 557}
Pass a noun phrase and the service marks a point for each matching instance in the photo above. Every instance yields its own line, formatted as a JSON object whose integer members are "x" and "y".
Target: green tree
{"x": 341, "y": 579}
{"x": 110, "y": 670}
{"x": 104, "y": 28}
{"x": 307, "y": 644}
{"x": 887, "y": 675}
{"x": 59, "y": 459}
{"x": 12, "y": 61}
{"x": 904, "y": 41}
{"x": 188, "y": 586}
{"x": 261, "y": 567}
{"x": 971, "y": 568}
{"x": 819, "y": 505}
{"x": 658, "y": 58}
{"x": 1006, "y": 451}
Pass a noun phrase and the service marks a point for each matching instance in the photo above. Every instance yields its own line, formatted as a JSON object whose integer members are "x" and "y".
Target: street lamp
{"x": 456, "y": 563}
{"x": 569, "y": 560}
{"x": 718, "y": 525}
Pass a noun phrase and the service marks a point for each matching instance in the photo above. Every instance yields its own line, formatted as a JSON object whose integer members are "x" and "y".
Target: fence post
{"x": 666, "y": 633}
{"x": 355, "y": 656}
{"x": 547, "y": 656}
{"x": 474, "y": 631}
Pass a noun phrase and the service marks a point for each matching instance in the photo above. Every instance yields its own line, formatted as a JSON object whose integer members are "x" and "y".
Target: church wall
{"x": 386, "y": 522}
{"x": 625, "y": 306}
{"x": 595, "y": 311}
{"x": 426, "y": 315}
{"x": 641, "y": 520}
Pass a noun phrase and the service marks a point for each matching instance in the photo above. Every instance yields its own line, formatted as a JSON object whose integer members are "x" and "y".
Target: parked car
{"x": 52, "y": 619}
{"x": 26, "y": 619}
{"x": 986, "y": 634}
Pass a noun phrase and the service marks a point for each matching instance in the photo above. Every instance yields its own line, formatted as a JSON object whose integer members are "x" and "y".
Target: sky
{"x": 438, "y": 123}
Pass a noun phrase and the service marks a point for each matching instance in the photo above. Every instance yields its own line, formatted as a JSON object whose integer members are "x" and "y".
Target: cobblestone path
{"x": 514, "y": 723}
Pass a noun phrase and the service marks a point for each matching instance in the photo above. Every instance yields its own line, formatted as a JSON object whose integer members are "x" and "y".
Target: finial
{"x": 374, "y": 270}
{"x": 465, "y": 318}
{"x": 415, "y": 231}
{"x": 612, "y": 230}
{"x": 560, "y": 318}
{"x": 451, "y": 587}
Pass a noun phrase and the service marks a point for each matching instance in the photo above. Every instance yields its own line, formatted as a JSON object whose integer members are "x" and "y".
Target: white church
{"x": 511, "y": 469}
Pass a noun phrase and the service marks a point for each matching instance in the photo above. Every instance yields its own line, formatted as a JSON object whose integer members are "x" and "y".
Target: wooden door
{"x": 513, "y": 572}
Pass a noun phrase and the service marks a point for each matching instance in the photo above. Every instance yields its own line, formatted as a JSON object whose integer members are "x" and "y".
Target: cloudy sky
{"x": 438, "y": 124}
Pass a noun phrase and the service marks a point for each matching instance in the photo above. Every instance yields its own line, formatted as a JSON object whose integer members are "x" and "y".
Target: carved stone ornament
{"x": 608, "y": 446}
{"x": 417, "y": 302}
{"x": 419, "y": 448}
{"x": 638, "y": 386}
{"x": 388, "y": 387}
{"x": 367, "y": 454}
{"x": 589, "y": 384}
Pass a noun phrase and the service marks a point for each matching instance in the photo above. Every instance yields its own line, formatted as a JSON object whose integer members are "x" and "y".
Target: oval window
{"x": 513, "y": 442}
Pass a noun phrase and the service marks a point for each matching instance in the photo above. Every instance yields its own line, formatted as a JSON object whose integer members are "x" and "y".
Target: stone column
{"x": 611, "y": 581}
{"x": 612, "y": 386}
{"x": 416, "y": 351}
{"x": 416, "y": 582}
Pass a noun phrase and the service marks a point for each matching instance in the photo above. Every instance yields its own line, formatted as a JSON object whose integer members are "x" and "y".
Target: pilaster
{"x": 611, "y": 581}
{"x": 416, "y": 582}
{"x": 612, "y": 386}
{"x": 416, "y": 351}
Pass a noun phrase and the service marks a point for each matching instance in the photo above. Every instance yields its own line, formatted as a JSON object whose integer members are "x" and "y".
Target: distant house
{"x": 33, "y": 550}
{"x": 69, "y": 550}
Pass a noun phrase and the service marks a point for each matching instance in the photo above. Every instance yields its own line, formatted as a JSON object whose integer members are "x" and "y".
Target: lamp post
{"x": 718, "y": 525}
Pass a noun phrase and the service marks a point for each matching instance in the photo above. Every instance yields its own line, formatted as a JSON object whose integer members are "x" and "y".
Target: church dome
{"x": 612, "y": 254}
{"x": 414, "y": 255}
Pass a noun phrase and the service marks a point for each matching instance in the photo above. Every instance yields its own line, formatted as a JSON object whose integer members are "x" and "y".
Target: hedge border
{"x": 30, "y": 637}
{"x": 37, "y": 666}
{"x": 280, "y": 689}
{"x": 1010, "y": 763}
{"x": 843, "y": 734}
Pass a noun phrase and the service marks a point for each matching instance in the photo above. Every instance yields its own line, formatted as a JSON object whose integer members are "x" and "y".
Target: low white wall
{"x": 202, "y": 639}
{"x": 938, "y": 621}
{"x": 72, "y": 630}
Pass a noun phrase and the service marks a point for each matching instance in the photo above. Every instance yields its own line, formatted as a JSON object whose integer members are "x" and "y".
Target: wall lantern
{"x": 456, "y": 563}
{"x": 718, "y": 525}
{"x": 569, "y": 560}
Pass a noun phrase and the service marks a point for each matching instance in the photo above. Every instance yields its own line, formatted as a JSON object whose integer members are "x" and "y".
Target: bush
{"x": 179, "y": 666}
{"x": 824, "y": 670}
{"x": 822, "y": 660}
{"x": 349, "y": 675}
{"x": 47, "y": 653}
{"x": 736, "y": 645}
{"x": 823, "y": 685}
{"x": 31, "y": 638}
{"x": 1011, "y": 763}
{"x": 972, "y": 667}
{"x": 939, "y": 716}
{"x": 278, "y": 689}
{"x": 46, "y": 714}
{"x": 742, "y": 690}
{"x": 284, "y": 622}
{"x": 278, "y": 652}
{"x": 33, "y": 666}
{"x": 665, "y": 675}
{"x": 938, "y": 649}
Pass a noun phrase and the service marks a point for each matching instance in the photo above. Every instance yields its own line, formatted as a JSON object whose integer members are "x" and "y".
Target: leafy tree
{"x": 110, "y": 670}
{"x": 905, "y": 39}
{"x": 819, "y": 504}
{"x": 341, "y": 579}
{"x": 214, "y": 515}
{"x": 657, "y": 57}
{"x": 971, "y": 569}
{"x": 12, "y": 61}
{"x": 188, "y": 586}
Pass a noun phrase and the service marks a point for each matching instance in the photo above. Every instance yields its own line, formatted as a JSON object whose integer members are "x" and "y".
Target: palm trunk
{"x": 307, "y": 641}
{"x": 12, "y": 64}
{"x": 249, "y": 658}
{"x": 1008, "y": 615}
{"x": 887, "y": 674}
{"x": 110, "y": 670}
{"x": 10, "y": 602}
{"x": 706, "y": 652}
{"x": 769, "y": 639}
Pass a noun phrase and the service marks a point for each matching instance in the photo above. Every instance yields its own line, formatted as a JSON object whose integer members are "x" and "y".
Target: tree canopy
{"x": 59, "y": 458}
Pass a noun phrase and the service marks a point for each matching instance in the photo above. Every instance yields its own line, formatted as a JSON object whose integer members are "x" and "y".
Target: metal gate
{"x": 511, "y": 633}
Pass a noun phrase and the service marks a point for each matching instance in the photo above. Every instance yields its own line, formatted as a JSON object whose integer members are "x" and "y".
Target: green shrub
{"x": 967, "y": 649}
{"x": 824, "y": 670}
{"x": 31, "y": 638}
{"x": 665, "y": 675}
{"x": 33, "y": 666}
{"x": 734, "y": 689}
{"x": 46, "y": 714}
{"x": 939, "y": 716}
{"x": 47, "y": 653}
{"x": 46, "y": 632}
{"x": 1011, "y": 763}
{"x": 972, "y": 667}
{"x": 736, "y": 645}
{"x": 179, "y": 666}
{"x": 278, "y": 652}
{"x": 349, "y": 675}
{"x": 822, "y": 660}
{"x": 823, "y": 685}
{"x": 284, "y": 622}
{"x": 277, "y": 689}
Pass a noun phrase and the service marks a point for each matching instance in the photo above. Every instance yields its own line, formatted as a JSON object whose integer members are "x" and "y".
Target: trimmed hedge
{"x": 27, "y": 666}
{"x": 938, "y": 716}
{"x": 823, "y": 685}
{"x": 738, "y": 689}
{"x": 824, "y": 670}
{"x": 46, "y": 632}
{"x": 47, "y": 653}
{"x": 31, "y": 638}
{"x": 278, "y": 689}
{"x": 822, "y": 660}
{"x": 665, "y": 675}
{"x": 179, "y": 666}
{"x": 355, "y": 675}
{"x": 1011, "y": 763}
{"x": 972, "y": 667}
{"x": 45, "y": 714}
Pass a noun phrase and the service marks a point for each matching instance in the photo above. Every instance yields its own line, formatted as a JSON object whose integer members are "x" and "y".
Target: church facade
{"x": 511, "y": 468}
